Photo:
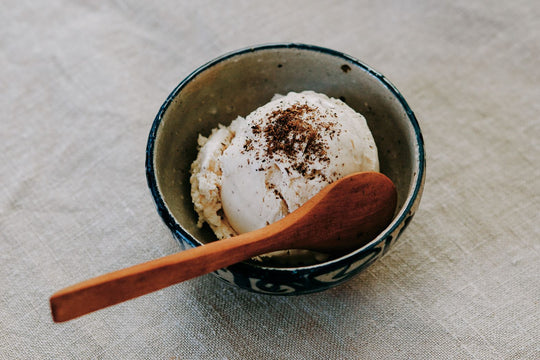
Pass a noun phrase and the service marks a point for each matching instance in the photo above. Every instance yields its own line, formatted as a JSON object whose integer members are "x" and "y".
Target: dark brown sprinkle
{"x": 248, "y": 146}
{"x": 256, "y": 129}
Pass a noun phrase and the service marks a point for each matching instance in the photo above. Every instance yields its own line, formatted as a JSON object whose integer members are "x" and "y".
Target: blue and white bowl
{"x": 239, "y": 82}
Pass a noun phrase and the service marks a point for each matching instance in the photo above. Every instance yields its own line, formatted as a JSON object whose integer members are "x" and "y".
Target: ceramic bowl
{"x": 239, "y": 82}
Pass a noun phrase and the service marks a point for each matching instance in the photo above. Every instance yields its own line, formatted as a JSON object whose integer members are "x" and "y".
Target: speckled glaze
{"x": 239, "y": 82}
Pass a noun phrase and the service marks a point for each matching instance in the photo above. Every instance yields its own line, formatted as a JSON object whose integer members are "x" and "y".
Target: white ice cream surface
{"x": 266, "y": 165}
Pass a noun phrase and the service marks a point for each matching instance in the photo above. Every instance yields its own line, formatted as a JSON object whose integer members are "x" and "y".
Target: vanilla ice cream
{"x": 266, "y": 165}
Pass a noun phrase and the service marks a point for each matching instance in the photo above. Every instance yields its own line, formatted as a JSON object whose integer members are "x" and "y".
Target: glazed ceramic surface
{"x": 239, "y": 82}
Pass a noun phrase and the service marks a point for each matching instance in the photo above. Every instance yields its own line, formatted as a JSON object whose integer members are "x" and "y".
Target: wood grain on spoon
{"x": 344, "y": 216}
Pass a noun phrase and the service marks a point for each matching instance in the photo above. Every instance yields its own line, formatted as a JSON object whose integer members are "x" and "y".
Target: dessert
{"x": 264, "y": 166}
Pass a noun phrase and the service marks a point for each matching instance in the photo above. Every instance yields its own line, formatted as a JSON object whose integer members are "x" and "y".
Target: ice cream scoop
{"x": 344, "y": 216}
{"x": 266, "y": 165}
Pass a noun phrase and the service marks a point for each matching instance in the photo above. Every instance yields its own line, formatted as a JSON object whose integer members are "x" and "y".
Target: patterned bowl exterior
{"x": 306, "y": 279}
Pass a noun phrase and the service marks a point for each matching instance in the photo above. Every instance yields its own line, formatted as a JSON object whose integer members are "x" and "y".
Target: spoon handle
{"x": 118, "y": 286}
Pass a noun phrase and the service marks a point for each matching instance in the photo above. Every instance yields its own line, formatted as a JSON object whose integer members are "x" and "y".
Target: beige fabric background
{"x": 80, "y": 83}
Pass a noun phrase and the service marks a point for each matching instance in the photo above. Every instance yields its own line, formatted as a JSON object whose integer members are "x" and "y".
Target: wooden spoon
{"x": 344, "y": 216}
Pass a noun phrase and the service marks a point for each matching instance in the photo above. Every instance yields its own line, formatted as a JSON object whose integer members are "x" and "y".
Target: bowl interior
{"x": 239, "y": 83}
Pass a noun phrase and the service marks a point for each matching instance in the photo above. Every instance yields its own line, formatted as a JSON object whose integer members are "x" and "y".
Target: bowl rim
{"x": 418, "y": 176}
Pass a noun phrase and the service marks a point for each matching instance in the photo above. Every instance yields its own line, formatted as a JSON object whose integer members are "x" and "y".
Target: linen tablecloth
{"x": 81, "y": 82}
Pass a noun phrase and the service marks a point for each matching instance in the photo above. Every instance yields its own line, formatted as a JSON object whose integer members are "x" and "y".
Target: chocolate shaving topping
{"x": 296, "y": 133}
